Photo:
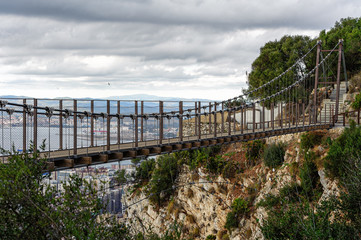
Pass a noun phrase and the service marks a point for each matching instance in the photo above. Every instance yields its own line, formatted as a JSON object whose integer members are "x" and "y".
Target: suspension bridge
{"x": 72, "y": 133}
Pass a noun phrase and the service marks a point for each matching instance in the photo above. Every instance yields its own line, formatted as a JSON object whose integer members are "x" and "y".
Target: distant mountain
{"x": 138, "y": 97}
{"x": 154, "y": 98}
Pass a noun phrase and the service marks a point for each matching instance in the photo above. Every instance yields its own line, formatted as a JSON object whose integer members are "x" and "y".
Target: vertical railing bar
{"x": 92, "y": 123}
{"x": 199, "y": 120}
{"x": 136, "y": 123}
{"x": 210, "y": 118}
{"x": 254, "y": 117}
{"x": 161, "y": 122}
{"x": 180, "y": 121}
{"x": 24, "y": 128}
{"x": 195, "y": 119}
{"x": 222, "y": 117}
{"x": 108, "y": 125}
{"x": 142, "y": 121}
{"x": 118, "y": 122}
{"x": 215, "y": 119}
{"x": 75, "y": 133}
{"x": 60, "y": 124}
{"x": 35, "y": 125}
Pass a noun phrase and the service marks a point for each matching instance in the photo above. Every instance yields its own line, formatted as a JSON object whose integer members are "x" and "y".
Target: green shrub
{"x": 311, "y": 139}
{"x": 163, "y": 178}
{"x": 269, "y": 201}
{"x": 274, "y": 155}
{"x": 347, "y": 146}
{"x": 230, "y": 169}
{"x": 239, "y": 209}
{"x": 254, "y": 151}
{"x": 211, "y": 237}
{"x": 310, "y": 180}
{"x": 143, "y": 172}
{"x": 356, "y": 104}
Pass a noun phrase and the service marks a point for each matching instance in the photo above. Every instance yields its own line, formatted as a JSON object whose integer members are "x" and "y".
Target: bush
{"x": 160, "y": 187}
{"x": 143, "y": 172}
{"x": 347, "y": 146}
{"x": 311, "y": 139}
{"x": 211, "y": 237}
{"x": 356, "y": 104}
{"x": 239, "y": 209}
{"x": 310, "y": 180}
{"x": 254, "y": 150}
{"x": 274, "y": 155}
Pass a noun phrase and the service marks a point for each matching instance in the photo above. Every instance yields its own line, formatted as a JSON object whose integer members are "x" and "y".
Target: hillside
{"x": 206, "y": 194}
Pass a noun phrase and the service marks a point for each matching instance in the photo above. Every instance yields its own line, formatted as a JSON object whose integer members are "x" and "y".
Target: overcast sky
{"x": 188, "y": 48}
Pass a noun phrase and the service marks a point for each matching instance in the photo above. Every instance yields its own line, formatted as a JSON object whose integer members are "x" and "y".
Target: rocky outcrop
{"x": 201, "y": 204}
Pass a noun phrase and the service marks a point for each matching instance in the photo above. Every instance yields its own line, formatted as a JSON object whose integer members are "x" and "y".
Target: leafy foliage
{"x": 311, "y": 139}
{"x": 310, "y": 180}
{"x": 348, "y": 29}
{"x": 274, "y": 155}
{"x": 31, "y": 209}
{"x": 348, "y": 145}
{"x": 239, "y": 209}
{"x": 254, "y": 151}
{"x": 163, "y": 179}
{"x": 356, "y": 104}
{"x": 276, "y": 57}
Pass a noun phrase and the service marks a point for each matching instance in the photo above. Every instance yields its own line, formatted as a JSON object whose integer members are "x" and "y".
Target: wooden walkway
{"x": 65, "y": 159}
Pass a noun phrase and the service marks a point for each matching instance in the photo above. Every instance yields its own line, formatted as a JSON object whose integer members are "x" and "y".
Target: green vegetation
{"x": 347, "y": 146}
{"x": 296, "y": 213}
{"x": 211, "y": 237}
{"x": 348, "y": 29}
{"x": 274, "y": 155}
{"x": 30, "y": 209}
{"x": 311, "y": 139}
{"x": 254, "y": 151}
{"x": 310, "y": 180}
{"x": 276, "y": 57}
{"x": 163, "y": 179}
{"x": 239, "y": 209}
{"x": 356, "y": 104}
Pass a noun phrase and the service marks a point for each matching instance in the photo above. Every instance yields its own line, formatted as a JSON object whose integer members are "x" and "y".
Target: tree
{"x": 31, "y": 209}
{"x": 275, "y": 58}
{"x": 348, "y": 29}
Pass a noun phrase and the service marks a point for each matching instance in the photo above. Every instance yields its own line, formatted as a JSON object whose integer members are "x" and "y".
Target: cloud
{"x": 168, "y": 47}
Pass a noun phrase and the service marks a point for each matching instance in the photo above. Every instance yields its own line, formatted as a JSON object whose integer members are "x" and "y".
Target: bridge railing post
{"x": 242, "y": 123}
{"x": 199, "y": 120}
{"x": 92, "y": 123}
{"x": 215, "y": 119}
{"x": 229, "y": 113}
{"x": 108, "y": 125}
{"x": 118, "y": 123}
{"x": 180, "y": 121}
{"x": 272, "y": 116}
{"x": 254, "y": 117}
{"x": 195, "y": 119}
{"x": 210, "y": 118}
{"x": 35, "y": 141}
{"x": 136, "y": 123}
{"x": 60, "y": 124}
{"x": 234, "y": 116}
{"x": 263, "y": 118}
{"x": 161, "y": 122}
{"x": 222, "y": 119}
{"x": 24, "y": 127}
{"x": 141, "y": 121}
{"x": 75, "y": 133}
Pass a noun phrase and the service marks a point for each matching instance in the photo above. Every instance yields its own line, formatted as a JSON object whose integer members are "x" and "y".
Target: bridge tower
{"x": 323, "y": 80}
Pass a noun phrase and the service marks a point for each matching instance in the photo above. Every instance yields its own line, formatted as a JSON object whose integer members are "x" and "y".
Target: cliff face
{"x": 201, "y": 203}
